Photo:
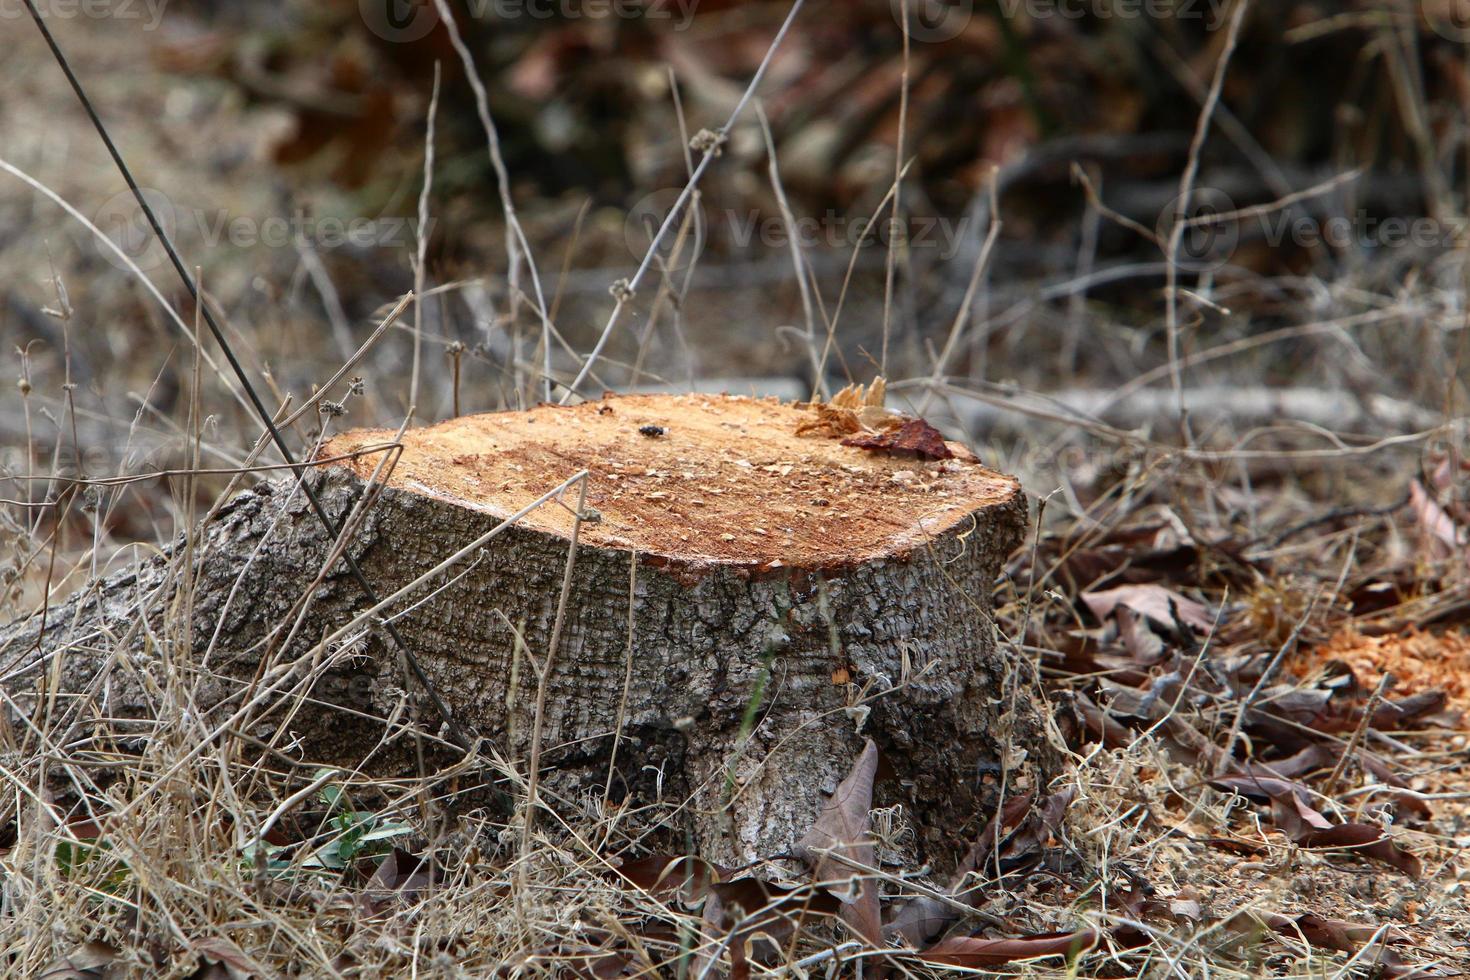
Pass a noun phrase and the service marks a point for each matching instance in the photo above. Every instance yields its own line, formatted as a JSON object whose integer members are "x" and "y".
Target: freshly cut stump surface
{"x": 751, "y": 599}
{"x": 693, "y": 480}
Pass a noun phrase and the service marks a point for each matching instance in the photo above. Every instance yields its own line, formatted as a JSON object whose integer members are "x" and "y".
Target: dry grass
{"x": 155, "y": 853}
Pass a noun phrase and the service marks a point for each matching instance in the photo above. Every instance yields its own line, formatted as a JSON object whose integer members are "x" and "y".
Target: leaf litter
{"x": 1262, "y": 801}
{"x": 1259, "y": 780}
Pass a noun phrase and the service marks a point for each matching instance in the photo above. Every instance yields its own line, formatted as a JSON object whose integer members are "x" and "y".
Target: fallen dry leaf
{"x": 1349, "y": 937}
{"x": 1020, "y": 831}
{"x": 923, "y": 919}
{"x": 763, "y": 911}
{"x": 400, "y": 877}
{"x": 915, "y": 438}
{"x": 86, "y": 962}
{"x": 1308, "y": 827}
{"x": 976, "y": 953}
{"x": 1442, "y": 538}
{"x": 840, "y": 838}
{"x": 1154, "y": 601}
{"x": 1365, "y": 839}
{"x": 227, "y": 960}
{"x": 1143, "y": 644}
{"x": 705, "y": 955}
{"x": 665, "y": 874}
{"x": 1186, "y": 907}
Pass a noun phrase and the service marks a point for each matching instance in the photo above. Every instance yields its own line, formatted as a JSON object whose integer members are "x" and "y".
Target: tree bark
{"x": 739, "y": 669}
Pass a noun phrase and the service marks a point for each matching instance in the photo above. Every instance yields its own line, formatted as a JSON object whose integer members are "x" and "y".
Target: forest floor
{"x": 1252, "y": 627}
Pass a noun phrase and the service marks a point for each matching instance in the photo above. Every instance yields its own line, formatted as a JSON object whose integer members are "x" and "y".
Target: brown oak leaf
{"x": 915, "y": 438}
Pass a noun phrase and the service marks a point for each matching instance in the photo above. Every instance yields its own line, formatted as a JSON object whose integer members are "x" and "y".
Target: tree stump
{"x": 753, "y": 594}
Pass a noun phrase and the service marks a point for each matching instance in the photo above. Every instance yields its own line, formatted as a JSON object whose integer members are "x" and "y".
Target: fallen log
{"x": 756, "y": 588}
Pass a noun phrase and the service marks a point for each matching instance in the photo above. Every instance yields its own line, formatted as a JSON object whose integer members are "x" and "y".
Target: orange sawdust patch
{"x": 698, "y": 479}
{"x": 1419, "y": 661}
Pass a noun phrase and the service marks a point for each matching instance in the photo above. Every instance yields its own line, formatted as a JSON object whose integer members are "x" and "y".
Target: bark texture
{"x": 746, "y": 690}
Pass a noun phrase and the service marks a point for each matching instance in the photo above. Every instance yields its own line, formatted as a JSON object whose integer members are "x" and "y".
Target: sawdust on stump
{"x": 697, "y": 479}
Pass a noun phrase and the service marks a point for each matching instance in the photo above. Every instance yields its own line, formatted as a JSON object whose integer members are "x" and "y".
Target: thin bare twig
{"x": 626, "y": 293}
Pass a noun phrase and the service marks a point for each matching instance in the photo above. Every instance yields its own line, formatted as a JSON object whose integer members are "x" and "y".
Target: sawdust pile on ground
{"x": 1419, "y": 661}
